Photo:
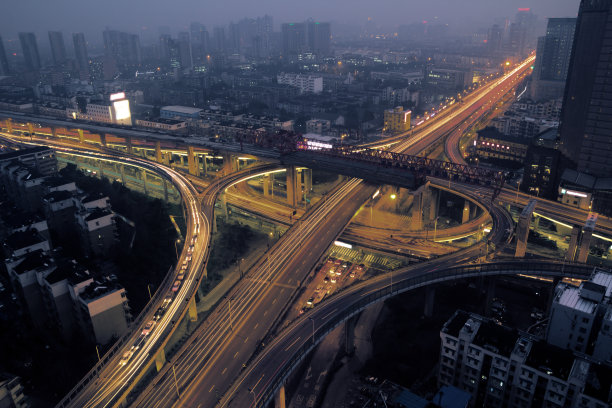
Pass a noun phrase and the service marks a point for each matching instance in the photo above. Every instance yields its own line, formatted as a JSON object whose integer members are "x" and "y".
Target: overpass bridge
{"x": 265, "y": 376}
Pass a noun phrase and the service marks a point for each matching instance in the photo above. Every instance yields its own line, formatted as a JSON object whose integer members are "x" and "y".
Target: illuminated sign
{"x": 573, "y": 193}
{"x": 117, "y": 96}
{"x": 122, "y": 109}
{"x": 312, "y": 145}
{"x": 524, "y": 9}
{"x": 343, "y": 244}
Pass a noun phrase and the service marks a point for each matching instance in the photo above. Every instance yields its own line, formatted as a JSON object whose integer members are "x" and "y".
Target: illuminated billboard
{"x": 122, "y": 109}
{"x": 117, "y": 96}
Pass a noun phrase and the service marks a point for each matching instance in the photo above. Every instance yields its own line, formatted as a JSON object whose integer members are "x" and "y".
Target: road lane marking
{"x": 245, "y": 340}
{"x": 236, "y": 355}
{"x": 224, "y": 370}
{"x": 211, "y": 388}
{"x": 293, "y": 344}
{"x": 257, "y": 383}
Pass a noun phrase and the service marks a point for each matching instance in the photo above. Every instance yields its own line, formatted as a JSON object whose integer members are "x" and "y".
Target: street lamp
{"x": 176, "y": 248}
{"x": 149, "y": 289}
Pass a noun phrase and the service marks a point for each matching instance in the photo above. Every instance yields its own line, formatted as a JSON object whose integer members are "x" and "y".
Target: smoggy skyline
{"x": 145, "y": 16}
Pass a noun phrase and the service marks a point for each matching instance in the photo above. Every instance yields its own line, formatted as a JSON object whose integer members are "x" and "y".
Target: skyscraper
{"x": 30, "y": 51}
{"x": 184, "y": 44}
{"x": 124, "y": 48}
{"x": 58, "y": 49}
{"x": 586, "y": 118}
{"x": 4, "y": 66}
{"x": 552, "y": 59}
{"x": 310, "y": 36}
{"x": 80, "y": 51}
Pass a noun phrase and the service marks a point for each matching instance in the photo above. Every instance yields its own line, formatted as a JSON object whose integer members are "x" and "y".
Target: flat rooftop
{"x": 23, "y": 152}
{"x": 456, "y": 323}
{"x": 496, "y": 338}
{"x": 550, "y": 359}
{"x": 570, "y": 297}
{"x": 181, "y": 109}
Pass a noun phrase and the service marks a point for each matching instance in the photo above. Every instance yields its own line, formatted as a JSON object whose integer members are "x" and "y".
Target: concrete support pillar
{"x": 122, "y": 171}
{"x": 9, "y": 125}
{"x": 128, "y": 145}
{"x": 158, "y": 153}
{"x": 279, "y": 401}
{"x": 349, "y": 334}
{"x": 522, "y": 229}
{"x": 430, "y": 297}
{"x": 536, "y": 221}
{"x": 291, "y": 186}
{"x": 81, "y": 136}
{"x": 223, "y": 204}
{"x": 30, "y": 128}
{"x": 191, "y": 162}
{"x": 160, "y": 359}
{"x": 204, "y": 164}
{"x": 266, "y": 185}
{"x": 585, "y": 240}
{"x": 228, "y": 164}
{"x": 434, "y": 198}
{"x": 465, "y": 216}
{"x": 307, "y": 181}
{"x": 416, "y": 222}
{"x": 473, "y": 211}
{"x": 193, "y": 310}
{"x": 165, "y": 184}
{"x": 299, "y": 187}
{"x": 397, "y": 200}
{"x": 144, "y": 181}
{"x": 570, "y": 255}
{"x": 103, "y": 139}
{"x": 100, "y": 170}
{"x": 54, "y": 132}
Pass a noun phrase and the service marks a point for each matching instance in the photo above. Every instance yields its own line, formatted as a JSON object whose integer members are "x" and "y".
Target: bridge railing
{"x": 540, "y": 269}
{"x": 420, "y": 165}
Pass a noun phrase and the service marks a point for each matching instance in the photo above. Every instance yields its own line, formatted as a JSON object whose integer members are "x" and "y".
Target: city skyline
{"x": 71, "y": 16}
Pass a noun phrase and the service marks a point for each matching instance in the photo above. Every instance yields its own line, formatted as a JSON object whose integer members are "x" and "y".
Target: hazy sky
{"x": 145, "y": 16}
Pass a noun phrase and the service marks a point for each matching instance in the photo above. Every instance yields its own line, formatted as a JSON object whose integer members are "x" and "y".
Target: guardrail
{"x": 414, "y": 281}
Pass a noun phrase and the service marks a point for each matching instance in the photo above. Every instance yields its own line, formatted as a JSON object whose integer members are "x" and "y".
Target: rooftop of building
{"x": 70, "y": 270}
{"x": 91, "y": 197}
{"x": 550, "y": 359}
{"x": 19, "y": 219}
{"x": 492, "y": 133}
{"x": 57, "y": 181}
{"x": 56, "y": 196}
{"x": 97, "y": 289}
{"x": 569, "y": 296}
{"x": 496, "y": 338}
{"x": 454, "y": 325}
{"x": 408, "y": 399}
{"x": 165, "y": 121}
{"x": 576, "y": 178}
{"x": 603, "y": 278}
{"x": 599, "y": 383}
{"x": 23, "y": 152}
{"x": 451, "y": 397}
{"x": 23, "y": 239}
{"x": 181, "y": 109}
{"x": 97, "y": 214}
{"x": 33, "y": 261}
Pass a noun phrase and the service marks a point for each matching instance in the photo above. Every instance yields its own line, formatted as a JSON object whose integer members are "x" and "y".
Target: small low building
{"x": 166, "y": 125}
{"x": 495, "y": 146}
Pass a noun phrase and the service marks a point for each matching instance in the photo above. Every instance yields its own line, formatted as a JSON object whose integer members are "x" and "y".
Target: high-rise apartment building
{"x": 4, "y": 65}
{"x": 29, "y": 46}
{"x": 184, "y": 46}
{"x": 308, "y": 37}
{"x": 58, "y": 49}
{"x": 199, "y": 43}
{"x": 124, "y": 48}
{"x": 586, "y": 118}
{"x": 552, "y": 59}
{"x": 80, "y": 52}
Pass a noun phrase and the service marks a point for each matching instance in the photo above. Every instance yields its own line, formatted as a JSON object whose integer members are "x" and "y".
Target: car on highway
{"x": 181, "y": 275}
{"x": 176, "y": 286}
{"x": 126, "y": 357}
{"x": 148, "y": 328}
